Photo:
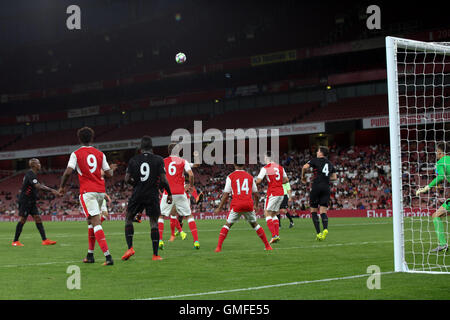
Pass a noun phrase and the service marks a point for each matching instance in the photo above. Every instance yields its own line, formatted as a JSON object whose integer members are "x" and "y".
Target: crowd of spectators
{"x": 363, "y": 182}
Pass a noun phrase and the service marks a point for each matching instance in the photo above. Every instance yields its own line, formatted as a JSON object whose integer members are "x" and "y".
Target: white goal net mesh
{"x": 423, "y": 102}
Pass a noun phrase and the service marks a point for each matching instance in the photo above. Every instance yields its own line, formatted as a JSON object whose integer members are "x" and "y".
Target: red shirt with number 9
{"x": 88, "y": 161}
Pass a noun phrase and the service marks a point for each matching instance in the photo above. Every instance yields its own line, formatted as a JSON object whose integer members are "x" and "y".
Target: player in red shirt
{"x": 175, "y": 168}
{"x": 276, "y": 177}
{"x": 242, "y": 187}
{"x": 89, "y": 162}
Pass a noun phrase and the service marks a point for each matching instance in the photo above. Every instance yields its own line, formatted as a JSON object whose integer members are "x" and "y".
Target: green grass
{"x": 39, "y": 272}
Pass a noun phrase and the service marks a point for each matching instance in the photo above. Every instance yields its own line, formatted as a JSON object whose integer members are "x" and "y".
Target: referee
{"x": 324, "y": 172}
{"x": 27, "y": 203}
{"x": 285, "y": 204}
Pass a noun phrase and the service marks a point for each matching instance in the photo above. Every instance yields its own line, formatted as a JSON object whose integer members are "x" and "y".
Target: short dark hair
{"x": 170, "y": 147}
{"x": 85, "y": 135}
{"x": 146, "y": 143}
{"x": 269, "y": 154}
{"x": 324, "y": 150}
{"x": 443, "y": 146}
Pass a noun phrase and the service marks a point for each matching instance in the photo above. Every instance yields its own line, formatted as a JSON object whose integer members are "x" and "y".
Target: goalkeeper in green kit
{"x": 442, "y": 173}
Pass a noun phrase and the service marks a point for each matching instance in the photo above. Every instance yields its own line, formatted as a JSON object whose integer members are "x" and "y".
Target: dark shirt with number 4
{"x": 322, "y": 169}
{"x": 145, "y": 169}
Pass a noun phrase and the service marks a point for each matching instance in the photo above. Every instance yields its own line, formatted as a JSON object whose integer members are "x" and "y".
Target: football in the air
{"x": 180, "y": 57}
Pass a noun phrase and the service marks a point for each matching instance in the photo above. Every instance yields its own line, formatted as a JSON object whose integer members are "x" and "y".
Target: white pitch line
{"x": 36, "y": 264}
{"x": 263, "y": 287}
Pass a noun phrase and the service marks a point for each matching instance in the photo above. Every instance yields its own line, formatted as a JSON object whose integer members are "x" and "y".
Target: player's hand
{"x": 113, "y": 166}
{"x": 57, "y": 193}
{"x": 169, "y": 199}
{"x": 108, "y": 199}
{"x": 304, "y": 180}
{"x": 61, "y": 191}
{"x": 187, "y": 187}
{"x": 422, "y": 190}
{"x": 290, "y": 202}
{"x": 217, "y": 210}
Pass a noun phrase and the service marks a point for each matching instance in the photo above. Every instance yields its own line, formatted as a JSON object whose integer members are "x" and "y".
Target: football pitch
{"x": 299, "y": 267}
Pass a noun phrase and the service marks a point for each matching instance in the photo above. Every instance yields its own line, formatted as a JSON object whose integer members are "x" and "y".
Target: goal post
{"x": 418, "y": 75}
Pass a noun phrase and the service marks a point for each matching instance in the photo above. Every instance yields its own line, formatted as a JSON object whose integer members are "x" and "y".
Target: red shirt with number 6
{"x": 175, "y": 168}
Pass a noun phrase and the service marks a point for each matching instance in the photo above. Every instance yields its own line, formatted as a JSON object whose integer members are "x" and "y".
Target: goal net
{"x": 419, "y": 118}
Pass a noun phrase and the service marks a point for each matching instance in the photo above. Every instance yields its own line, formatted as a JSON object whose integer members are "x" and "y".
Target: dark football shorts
{"x": 26, "y": 209}
{"x": 319, "y": 196}
{"x": 284, "y": 204}
{"x": 151, "y": 207}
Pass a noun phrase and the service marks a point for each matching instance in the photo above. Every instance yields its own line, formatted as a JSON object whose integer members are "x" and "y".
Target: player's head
{"x": 146, "y": 144}
{"x": 170, "y": 147}
{"x": 268, "y": 157}
{"x": 85, "y": 135}
{"x": 322, "y": 152}
{"x": 34, "y": 164}
{"x": 239, "y": 162}
{"x": 442, "y": 148}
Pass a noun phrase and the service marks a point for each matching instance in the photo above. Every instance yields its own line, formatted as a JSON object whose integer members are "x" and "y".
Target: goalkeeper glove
{"x": 422, "y": 190}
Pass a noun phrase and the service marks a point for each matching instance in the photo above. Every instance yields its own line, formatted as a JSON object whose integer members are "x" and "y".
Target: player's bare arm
{"x": 129, "y": 180}
{"x": 109, "y": 173}
{"x": 223, "y": 200}
{"x": 304, "y": 168}
{"x": 255, "y": 200}
{"x": 43, "y": 187}
{"x": 165, "y": 185}
{"x": 333, "y": 176}
{"x": 189, "y": 186}
{"x": 67, "y": 173}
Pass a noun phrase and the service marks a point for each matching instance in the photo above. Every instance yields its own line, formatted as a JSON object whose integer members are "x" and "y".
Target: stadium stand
{"x": 350, "y": 108}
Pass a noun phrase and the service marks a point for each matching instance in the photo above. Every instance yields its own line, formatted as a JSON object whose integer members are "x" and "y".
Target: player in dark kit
{"x": 27, "y": 203}
{"x": 324, "y": 172}
{"x": 146, "y": 173}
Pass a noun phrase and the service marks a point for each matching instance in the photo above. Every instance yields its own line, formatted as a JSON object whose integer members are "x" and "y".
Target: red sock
{"x": 193, "y": 227}
{"x": 91, "y": 237}
{"x": 100, "y": 236}
{"x": 173, "y": 222}
{"x": 270, "y": 225}
{"x": 260, "y": 232}
{"x": 178, "y": 225}
{"x": 160, "y": 228}
{"x": 276, "y": 226}
{"x": 222, "y": 236}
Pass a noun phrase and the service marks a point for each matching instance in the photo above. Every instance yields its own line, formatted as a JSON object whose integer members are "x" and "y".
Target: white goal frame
{"x": 392, "y": 43}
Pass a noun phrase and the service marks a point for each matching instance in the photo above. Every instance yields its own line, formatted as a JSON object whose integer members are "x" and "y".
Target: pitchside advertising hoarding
{"x": 345, "y": 213}
{"x": 406, "y": 120}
